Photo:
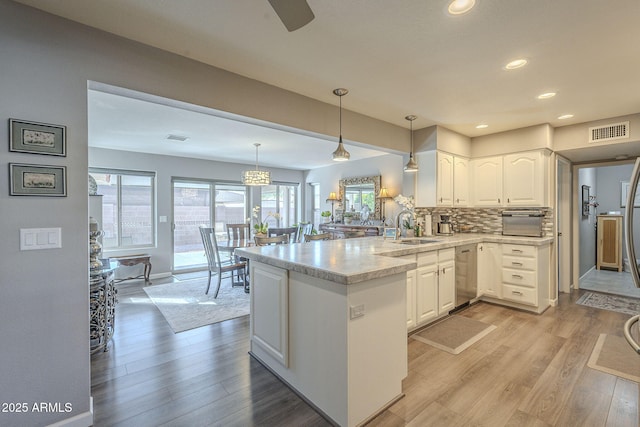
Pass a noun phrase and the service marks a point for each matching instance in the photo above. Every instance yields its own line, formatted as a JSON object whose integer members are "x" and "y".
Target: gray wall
{"x": 166, "y": 168}
{"x": 46, "y": 65}
{"x": 587, "y": 176}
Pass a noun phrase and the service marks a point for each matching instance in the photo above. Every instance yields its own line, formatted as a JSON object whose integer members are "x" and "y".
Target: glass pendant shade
{"x": 341, "y": 155}
{"x": 412, "y": 165}
{"x": 256, "y": 177}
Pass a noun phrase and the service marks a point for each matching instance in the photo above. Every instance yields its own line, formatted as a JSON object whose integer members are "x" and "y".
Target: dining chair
{"x": 278, "y": 231}
{"x": 321, "y": 236}
{"x": 353, "y": 233}
{"x": 215, "y": 264}
{"x": 303, "y": 229}
{"x": 281, "y": 239}
{"x": 237, "y": 231}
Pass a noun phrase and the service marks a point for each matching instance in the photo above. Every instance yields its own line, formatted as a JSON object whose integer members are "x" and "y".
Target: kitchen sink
{"x": 416, "y": 241}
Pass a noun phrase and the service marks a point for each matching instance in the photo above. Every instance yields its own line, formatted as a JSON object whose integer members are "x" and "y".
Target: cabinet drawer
{"x": 519, "y": 277}
{"x": 519, "y": 262}
{"x": 519, "y": 294}
{"x": 427, "y": 258}
{"x": 446, "y": 255}
{"x": 519, "y": 250}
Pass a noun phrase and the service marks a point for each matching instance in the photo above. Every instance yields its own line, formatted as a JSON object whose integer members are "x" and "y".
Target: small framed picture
{"x": 37, "y": 138}
{"x": 37, "y": 180}
{"x": 390, "y": 232}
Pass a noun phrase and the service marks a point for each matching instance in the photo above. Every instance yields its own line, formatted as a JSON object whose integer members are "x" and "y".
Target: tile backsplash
{"x": 479, "y": 220}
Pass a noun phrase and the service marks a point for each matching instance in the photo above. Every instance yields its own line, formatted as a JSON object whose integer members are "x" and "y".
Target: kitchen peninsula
{"x": 330, "y": 317}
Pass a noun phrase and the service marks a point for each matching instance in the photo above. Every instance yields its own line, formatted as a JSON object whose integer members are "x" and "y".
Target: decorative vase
{"x": 327, "y": 219}
{"x": 347, "y": 220}
{"x": 409, "y": 232}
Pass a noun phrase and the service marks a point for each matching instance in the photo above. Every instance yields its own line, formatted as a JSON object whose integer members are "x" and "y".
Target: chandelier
{"x": 256, "y": 177}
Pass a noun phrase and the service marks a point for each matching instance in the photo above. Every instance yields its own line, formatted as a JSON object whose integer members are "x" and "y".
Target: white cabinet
{"x": 525, "y": 275}
{"x": 486, "y": 178}
{"x": 431, "y": 287}
{"x": 490, "y": 270}
{"x": 524, "y": 179}
{"x": 512, "y": 180}
{"x": 460, "y": 181}
{"x": 444, "y": 179}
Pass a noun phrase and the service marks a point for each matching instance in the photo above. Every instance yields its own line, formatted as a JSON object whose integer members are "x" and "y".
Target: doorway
{"x": 563, "y": 223}
{"x": 196, "y": 203}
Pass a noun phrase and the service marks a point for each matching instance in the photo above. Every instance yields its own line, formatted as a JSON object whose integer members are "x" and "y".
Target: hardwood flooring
{"x": 530, "y": 371}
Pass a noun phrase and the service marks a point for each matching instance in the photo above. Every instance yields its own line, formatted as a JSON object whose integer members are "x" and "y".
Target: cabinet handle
{"x": 519, "y": 264}
{"x": 518, "y": 251}
{"x": 517, "y": 293}
{"x": 516, "y": 276}
{"x": 457, "y": 200}
{"x": 508, "y": 200}
{"x": 498, "y": 200}
{"x": 481, "y": 248}
{"x": 440, "y": 199}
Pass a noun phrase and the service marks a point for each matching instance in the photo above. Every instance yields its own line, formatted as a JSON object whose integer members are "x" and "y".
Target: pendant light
{"x": 256, "y": 177}
{"x": 340, "y": 155}
{"x": 411, "y": 165}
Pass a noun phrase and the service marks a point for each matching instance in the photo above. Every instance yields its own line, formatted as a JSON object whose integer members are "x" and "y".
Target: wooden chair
{"x": 215, "y": 264}
{"x": 278, "y": 231}
{"x": 353, "y": 234}
{"x": 282, "y": 239}
{"x": 303, "y": 229}
{"x": 237, "y": 231}
{"x": 321, "y": 236}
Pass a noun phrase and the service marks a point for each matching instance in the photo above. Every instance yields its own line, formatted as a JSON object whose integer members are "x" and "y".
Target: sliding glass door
{"x": 207, "y": 203}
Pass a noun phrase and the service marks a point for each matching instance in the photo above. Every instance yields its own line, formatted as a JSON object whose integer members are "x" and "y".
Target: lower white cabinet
{"x": 431, "y": 287}
{"x": 489, "y": 269}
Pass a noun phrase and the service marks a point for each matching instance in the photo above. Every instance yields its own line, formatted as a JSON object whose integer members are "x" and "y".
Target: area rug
{"x": 610, "y": 302}
{"x": 185, "y": 306}
{"x": 613, "y": 355}
{"x": 454, "y": 334}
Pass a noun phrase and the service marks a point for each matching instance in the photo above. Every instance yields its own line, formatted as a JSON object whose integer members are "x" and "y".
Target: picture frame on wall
{"x": 585, "y": 200}
{"x": 37, "y": 138}
{"x": 37, "y": 180}
{"x": 624, "y": 192}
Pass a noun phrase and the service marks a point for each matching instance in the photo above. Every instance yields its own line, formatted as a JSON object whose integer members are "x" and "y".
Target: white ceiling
{"x": 407, "y": 57}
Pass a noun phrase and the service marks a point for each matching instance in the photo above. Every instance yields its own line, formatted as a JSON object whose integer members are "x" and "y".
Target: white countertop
{"x": 349, "y": 261}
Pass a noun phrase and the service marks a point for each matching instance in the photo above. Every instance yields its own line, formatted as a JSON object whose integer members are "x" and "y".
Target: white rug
{"x": 185, "y": 306}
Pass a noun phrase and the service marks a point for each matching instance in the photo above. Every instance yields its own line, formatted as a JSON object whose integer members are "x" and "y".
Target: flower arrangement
{"x": 405, "y": 202}
{"x": 261, "y": 227}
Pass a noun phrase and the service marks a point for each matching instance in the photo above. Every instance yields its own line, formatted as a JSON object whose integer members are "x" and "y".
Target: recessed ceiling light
{"x": 482, "y": 126}
{"x": 516, "y": 63}
{"x": 565, "y": 116}
{"x": 546, "y": 95}
{"x": 458, "y": 7}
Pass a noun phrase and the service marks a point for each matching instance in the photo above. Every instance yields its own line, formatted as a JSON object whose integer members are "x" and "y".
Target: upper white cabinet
{"x": 512, "y": 180}
{"x": 525, "y": 179}
{"x": 442, "y": 179}
{"x": 460, "y": 181}
{"x": 486, "y": 178}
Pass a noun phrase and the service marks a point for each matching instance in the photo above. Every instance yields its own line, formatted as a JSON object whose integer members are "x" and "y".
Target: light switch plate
{"x": 357, "y": 311}
{"x": 40, "y": 238}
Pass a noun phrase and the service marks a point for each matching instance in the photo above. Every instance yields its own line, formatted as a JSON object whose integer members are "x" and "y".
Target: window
{"x": 315, "y": 202}
{"x": 358, "y": 196}
{"x": 281, "y": 199}
{"x": 128, "y": 207}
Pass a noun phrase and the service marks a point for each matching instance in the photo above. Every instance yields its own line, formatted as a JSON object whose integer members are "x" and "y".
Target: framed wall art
{"x": 37, "y": 138}
{"x": 585, "y": 200}
{"x": 37, "y": 180}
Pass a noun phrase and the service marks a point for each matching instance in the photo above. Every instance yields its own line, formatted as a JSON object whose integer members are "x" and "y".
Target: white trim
{"x": 81, "y": 420}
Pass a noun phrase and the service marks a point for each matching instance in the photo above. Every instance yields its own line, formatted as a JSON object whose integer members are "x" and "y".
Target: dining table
{"x": 230, "y": 246}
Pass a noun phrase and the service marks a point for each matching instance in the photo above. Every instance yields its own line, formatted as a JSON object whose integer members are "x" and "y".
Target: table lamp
{"x": 383, "y": 195}
{"x": 333, "y": 198}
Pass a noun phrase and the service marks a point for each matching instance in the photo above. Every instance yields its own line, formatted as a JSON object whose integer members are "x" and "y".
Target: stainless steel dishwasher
{"x": 466, "y": 274}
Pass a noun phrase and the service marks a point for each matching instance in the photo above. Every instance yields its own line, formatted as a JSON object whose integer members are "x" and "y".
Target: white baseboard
{"x": 588, "y": 271}
{"x": 84, "y": 419}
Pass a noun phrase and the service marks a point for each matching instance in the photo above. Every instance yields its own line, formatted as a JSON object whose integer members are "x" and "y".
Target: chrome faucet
{"x": 402, "y": 212}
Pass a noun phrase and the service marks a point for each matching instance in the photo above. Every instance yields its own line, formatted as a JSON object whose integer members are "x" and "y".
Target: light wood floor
{"x": 531, "y": 371}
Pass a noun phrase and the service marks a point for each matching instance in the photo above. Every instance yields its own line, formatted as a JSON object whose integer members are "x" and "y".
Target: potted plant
{"x": 409, "y": 232}
{"x": 325, "y": 215}
{"x": 348, "y": 217}
{"x": 260, "y": 228}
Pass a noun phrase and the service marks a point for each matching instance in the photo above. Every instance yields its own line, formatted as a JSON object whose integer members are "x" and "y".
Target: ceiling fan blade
{"x": 294, "y": 14}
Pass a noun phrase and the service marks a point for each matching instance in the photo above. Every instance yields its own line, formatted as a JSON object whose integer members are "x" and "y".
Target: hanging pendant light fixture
{"x": 340, "y": 155}
{"x": 411, "y": 165}
{"x": 256, "y": 177}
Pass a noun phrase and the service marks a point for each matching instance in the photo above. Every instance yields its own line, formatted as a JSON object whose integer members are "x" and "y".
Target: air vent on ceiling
{"x": 177, "y": 138}
{"x": 609, "y": 132}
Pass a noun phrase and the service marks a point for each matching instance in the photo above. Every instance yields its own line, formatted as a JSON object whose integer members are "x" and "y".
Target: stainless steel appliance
{"x": 466, "y": 274}
{"x": 444, "y": 226}
{"x": 522, "y": 222}
{"x": 631, "y": 250}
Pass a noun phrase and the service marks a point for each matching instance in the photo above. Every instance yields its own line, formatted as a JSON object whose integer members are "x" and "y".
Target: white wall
{"x": 529, "y": 138}
{"x": 166, "y": 168}
{"x": 389, "y": 166}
